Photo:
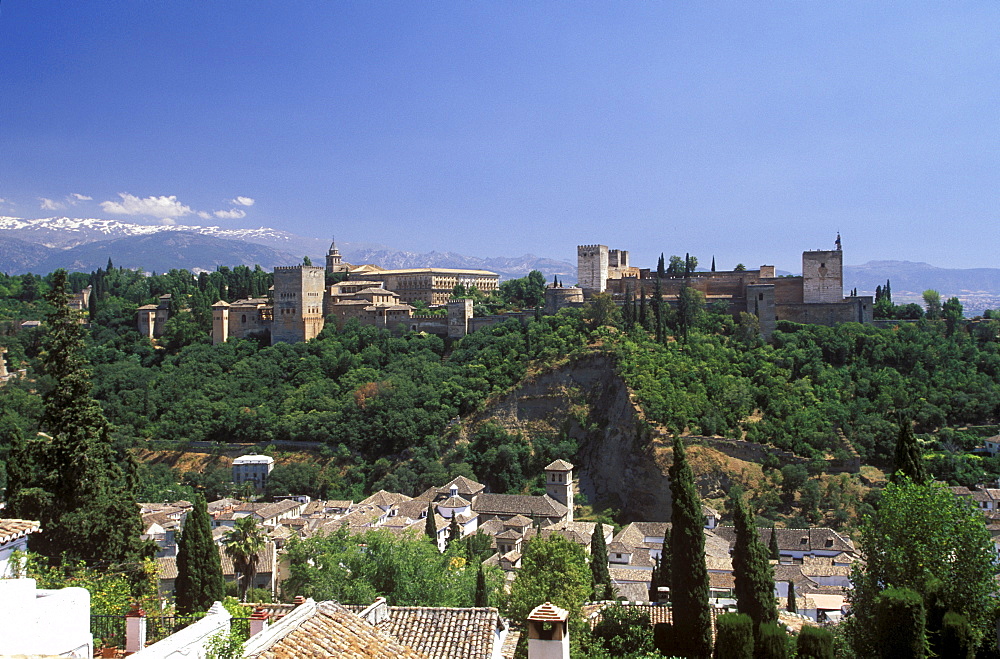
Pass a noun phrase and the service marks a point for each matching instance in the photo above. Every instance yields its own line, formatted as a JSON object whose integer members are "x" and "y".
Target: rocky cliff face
{"x": 617, "y": 464}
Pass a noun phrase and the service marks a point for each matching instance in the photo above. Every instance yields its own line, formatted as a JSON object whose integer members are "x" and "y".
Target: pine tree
{"x": 692, "y": 620}
{"x": 773, "y": 544}
{"x": 77, "y": 488}
{"x": 599, "y": 564}
{"x": 199, "y": 570}
{"x": 482, "y": 595}
{"x": 430, "y": 526}
{"x": 909, "y": 461}
{"x": 751, "y": 569}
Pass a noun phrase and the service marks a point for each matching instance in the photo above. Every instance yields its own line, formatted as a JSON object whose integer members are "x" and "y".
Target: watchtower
{"x": 823, "y": 275}
{"x": 592, "y": 268}
{"x": 459, "y": 313}
{"x": 220, "y": 322}
{"x": 333, "y": 260}
{"x": 298, "y": 303}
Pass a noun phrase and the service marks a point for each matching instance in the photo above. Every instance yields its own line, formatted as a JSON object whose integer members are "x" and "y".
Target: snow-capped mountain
{"x": 66, "y": 232}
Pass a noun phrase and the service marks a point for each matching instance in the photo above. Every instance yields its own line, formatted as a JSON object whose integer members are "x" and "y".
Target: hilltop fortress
{"x": 301, "y": 301}
{"x": 814, "y": 297}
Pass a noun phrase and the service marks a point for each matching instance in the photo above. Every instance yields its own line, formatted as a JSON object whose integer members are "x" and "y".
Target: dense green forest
{"x": 381, "y": 404}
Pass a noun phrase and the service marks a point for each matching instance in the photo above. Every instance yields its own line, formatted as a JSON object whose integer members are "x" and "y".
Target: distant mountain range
{"x": 44, "y": 245}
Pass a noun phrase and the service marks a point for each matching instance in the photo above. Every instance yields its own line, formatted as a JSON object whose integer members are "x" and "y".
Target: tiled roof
{"x": 559, "y": 465}
{"x": 331, "y": 631}
{"x": 12, "y": 529}
{"x": 518, "y": 521}
{"x": 454, "y": 502}
{"x": 265, "y": 559}
{"x": 384, "y": 499}
{"x": 619, "y": 548}
{"x": 821, "y": 539}
{"x": 413, "y": 509}
{"x": 518, "y": 504}
{"x": 721, "y": 580}
{"x": 167, "y": 566}
{"x": 444, "y": 633}
{"x": 222, "y": 504}
{"x": 628, "y": 574}
{"x": 466, "y": 486}
{"x": 548, "y": 612}
{"x": 269, "y": 510}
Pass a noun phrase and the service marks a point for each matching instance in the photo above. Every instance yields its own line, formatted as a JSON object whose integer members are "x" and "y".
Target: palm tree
{"x": 242, "y": 544}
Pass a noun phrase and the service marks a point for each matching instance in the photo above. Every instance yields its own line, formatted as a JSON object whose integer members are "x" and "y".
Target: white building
{"x": 13, "y": 537}
{"x": 252, "y": 468}
{"x": 44, "y": 622}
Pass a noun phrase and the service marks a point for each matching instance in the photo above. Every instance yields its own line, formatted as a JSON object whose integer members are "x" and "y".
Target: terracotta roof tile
{"x": 333, "y": 631}
{"x": 442, "y": 632}
{"x": 12, "y": 529}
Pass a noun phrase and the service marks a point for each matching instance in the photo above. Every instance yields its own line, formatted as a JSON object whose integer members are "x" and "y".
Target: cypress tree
{"x": 454, "y": 530}
{"x": 599, "y": 564}
{"x": 430, "y": 526}
{"x": 77, "y": 489}
{"x": 900, "y": 624}
{"x": 643, "y": 321}
{"x": 713, "y": 263}
{"x": 661, "y": 269}
{"x": 199, "y": 570}
{"x": 909, "y": 461}
{"x": 692, "y": 619}
{"x": 657, "y": 304}
{"x": 751, "y": 569}
{"x": 792, "y": 608}
{"x": 773, "y": 641}
{"x": 773, "y": 544}
{"x": 482, "y": 596}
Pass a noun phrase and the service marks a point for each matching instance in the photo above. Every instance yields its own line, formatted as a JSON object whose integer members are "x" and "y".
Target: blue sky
{"x": 747, "y": 131}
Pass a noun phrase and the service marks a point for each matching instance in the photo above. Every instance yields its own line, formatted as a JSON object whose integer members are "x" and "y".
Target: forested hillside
{"x": 385, "y": 408}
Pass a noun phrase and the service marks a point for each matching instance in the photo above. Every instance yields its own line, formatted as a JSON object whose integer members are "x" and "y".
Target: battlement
{"x": 579, "y": 247}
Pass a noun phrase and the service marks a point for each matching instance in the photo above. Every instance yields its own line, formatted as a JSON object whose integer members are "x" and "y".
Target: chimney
{"x": 258, "y": 621}
{"x": 376, "y": 612}
{"x": 453, "y": 490}
{"x": 135, "y": 629}
{"x": 548, "y": 632}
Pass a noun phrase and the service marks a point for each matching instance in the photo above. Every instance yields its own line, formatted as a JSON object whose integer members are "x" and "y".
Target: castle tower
{"x": 298, "y": 303}
{"x": 3, "y": 364}
{"x": 220, "y": 322}
{"x": 548, "y": 632}
{"x": 559, "y": 485}
{"x": 592, "y": 268}
{"x": 459, "y": 313}
{"x": 333, "y": 262}
{"x": 823, "y": 276}
{"x": 760, "y": 302}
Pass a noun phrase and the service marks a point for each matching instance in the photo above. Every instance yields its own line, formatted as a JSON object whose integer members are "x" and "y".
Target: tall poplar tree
{"x": 75, "y": 484}
{"x": 751, "y": 569}
{"x": 692, "y": 626}
{"x": 199, "y": 569}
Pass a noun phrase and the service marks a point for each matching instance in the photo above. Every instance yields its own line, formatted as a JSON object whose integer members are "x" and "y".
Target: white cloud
{"x": 160, "y": 207}
{"x": 205, "y": 216}
{"x": 2, "y": 200}
{"x": 80, "y": 197}
{"x": 50, "y": 205}
{"x": 243, "y": 201}
{"x": 233, "y": 214}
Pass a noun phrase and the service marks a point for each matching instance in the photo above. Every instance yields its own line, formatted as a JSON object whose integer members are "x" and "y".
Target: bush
{"x": 900, "y": 621}
{"x": 956, "y": 637}
{"x": 773, "y": 642}
{"x": 814, "y": 643}
{"x": 734, "y": 637}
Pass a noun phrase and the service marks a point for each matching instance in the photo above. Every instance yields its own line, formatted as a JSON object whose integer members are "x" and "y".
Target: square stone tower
{"x": 592, "y": 268}
{"x": 298, "y": 303}
{"x": 823, "y": 276}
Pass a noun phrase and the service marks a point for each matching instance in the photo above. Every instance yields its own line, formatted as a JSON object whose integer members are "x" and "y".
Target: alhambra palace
{"x": 301, "y": 301}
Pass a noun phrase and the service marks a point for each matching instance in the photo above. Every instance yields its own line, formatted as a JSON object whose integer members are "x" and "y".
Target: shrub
{"x": 773, "y": 642}
{"x": 734, "y": 637}
{"x": 814, "y": 643}
{"x": 900, "y": 621}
